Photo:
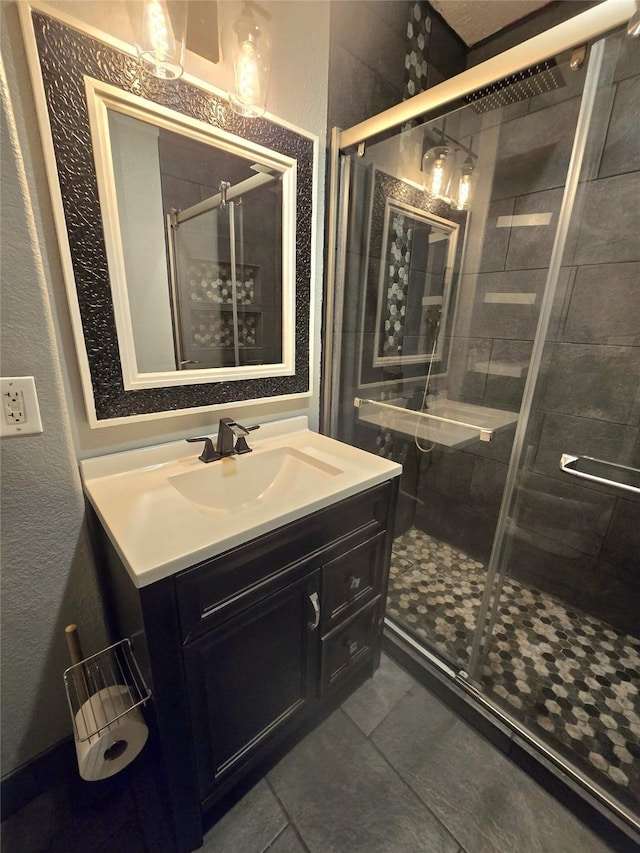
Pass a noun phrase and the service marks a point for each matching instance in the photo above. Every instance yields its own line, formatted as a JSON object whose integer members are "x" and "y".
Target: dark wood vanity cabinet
{"x": 256, "y": 644}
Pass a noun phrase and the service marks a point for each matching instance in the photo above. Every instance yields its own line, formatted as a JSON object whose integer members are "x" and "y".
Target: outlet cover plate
{"x": 20, "y": 412}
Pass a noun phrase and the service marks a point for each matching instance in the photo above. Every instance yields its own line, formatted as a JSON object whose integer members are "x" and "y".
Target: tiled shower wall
{"x": 572, "y": 541}
{"x": 376, "y": 48}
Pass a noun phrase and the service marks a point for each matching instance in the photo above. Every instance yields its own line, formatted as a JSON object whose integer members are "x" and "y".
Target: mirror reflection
{"x": 201, "y": 235}
{"x": 409, "y": 272}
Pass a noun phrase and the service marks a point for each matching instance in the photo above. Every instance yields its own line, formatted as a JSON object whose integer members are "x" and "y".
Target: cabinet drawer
{"x": 217, "y": 590}
{"x": 351, "y": 580}
{"x": 350, "y": 645}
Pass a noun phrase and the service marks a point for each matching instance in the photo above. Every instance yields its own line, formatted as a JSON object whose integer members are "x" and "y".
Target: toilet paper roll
{"x": 109, "y": 751}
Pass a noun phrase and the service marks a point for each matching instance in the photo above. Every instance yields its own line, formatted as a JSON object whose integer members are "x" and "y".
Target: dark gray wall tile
{"x": 567, "y": 513}
{"x": 495, "y": 240}
{"x": 487, "y": 485}
{"x": 250, "y": 825}
{"x": 595, "y": 381}
{"x": 533, "y": 152}
{"x": 628, "y": 59}
{"x": 621, "y": 547}
{"x": 506, "y": 320}
{"x": 457, "y": 524}
{"x": 447, "y": 52}
{"x": 581, "y": 437}
{"x": 504, "y": 388}
{"x": 553, "y": 568}
{"x": 608, "y": 233}
{"x": 605, "y": 305}
{"x": 371, "y": 703}
{"x": 464, "y": 381}
{"x": 357, "y": 29}
{"x": 487, "y": 802}
{"x": 380, "y": 813}
{"x": 530, "y": 245}
{"x": 395, "y": 13}
{"x": 445, "y": 472}
{"x": 622, "y": 151}
{"x": 617, "y": 600}
{"x": 355, "y": 92}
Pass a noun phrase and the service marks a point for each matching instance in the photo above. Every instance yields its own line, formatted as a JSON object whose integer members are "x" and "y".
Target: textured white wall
{"x": 48, "y": 576}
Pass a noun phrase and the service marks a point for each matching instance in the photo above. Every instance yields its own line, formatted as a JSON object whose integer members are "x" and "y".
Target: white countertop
{"x": 157, "y": 530}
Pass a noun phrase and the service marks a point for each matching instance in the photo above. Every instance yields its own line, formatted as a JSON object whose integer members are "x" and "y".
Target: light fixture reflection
{"x": 436, "y": 165}
{"x": 466, "y": 181}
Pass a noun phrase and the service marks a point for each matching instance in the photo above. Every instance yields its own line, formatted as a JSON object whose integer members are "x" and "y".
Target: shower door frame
{"x": 582, "y": 29}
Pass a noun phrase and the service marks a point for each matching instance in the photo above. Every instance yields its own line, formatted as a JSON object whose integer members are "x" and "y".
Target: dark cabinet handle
{"x": 313, "y": 598}
{"x": 354, "y": 582}
{"x": 352, "y": 646}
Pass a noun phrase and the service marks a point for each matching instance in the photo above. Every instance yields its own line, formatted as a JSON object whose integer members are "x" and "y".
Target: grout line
{"x": 285, "y": 811}
{"x": 275, "y": 837}
{"x": 405, "y": 782}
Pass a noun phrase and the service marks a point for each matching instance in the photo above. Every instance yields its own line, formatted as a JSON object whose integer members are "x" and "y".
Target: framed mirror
{"x": 409, "y": 272}
{"x": 185, "y": 230}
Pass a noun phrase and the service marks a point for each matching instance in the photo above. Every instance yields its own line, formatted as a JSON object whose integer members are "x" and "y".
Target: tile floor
{"x": 395, "y": 771}
{"x": 572, "y": 679}
{"x": 391, "y": 771}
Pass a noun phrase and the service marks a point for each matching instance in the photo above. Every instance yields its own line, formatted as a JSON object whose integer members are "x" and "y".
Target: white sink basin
{"x": 165, "y": 510}
{"x": 238, "y": 482}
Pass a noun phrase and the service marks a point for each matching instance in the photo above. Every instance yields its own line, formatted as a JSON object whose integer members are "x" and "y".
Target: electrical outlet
{"x": 20, "y": 414}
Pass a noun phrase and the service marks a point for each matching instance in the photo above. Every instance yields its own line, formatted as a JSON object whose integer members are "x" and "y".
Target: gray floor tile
{"x": 369, "y": 705}
{"x": 343, "y": 797}
{"x": 250, "y": 826}
{"x": 286, "y": 842}
{"x": 487, "y": 802}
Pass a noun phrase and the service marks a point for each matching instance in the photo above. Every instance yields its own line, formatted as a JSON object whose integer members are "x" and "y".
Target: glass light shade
{"x": 466, "y": 184}
{"x": 437, "y": 164}
{"x": 161, "y": 46}
{"x": 247, "y": 52}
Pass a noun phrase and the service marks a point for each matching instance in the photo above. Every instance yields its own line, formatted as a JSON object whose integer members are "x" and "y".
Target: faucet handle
{"x": 209, "y": 454}
{"x": 241, "y": 443}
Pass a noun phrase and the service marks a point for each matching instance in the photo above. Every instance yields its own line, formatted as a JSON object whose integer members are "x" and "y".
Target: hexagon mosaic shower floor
{"x": 571, "y": 678}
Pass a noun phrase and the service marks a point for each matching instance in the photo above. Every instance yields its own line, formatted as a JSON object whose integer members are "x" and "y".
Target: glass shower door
{"x": 442, "y": 298}
{"x": 561, "y": 652}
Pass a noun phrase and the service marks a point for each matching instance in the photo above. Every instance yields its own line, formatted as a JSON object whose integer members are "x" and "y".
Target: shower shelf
{"x": 449, "y": 422}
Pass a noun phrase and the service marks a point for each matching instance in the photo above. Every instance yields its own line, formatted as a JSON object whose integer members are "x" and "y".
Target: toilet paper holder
{"x": 112, "y": 680}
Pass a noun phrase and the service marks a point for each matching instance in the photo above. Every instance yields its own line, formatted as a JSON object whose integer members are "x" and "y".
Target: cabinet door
{"x": 251, "y": 679}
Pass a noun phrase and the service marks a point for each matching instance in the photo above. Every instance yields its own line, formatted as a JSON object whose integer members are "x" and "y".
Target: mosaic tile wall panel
{"x": 399, "y": 263}
{"x": 209, "y": 281}
{"x": 570, "y": 678}
{"x": 216, "y": 331}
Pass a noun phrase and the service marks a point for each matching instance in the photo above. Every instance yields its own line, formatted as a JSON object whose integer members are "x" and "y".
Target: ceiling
{"x": 474, "y": 20}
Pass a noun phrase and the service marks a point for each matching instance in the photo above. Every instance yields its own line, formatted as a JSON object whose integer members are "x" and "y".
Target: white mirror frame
{"x": 138, "y": 412}
{"x": 449, "y": 230}
{"x": 102, "y": 97}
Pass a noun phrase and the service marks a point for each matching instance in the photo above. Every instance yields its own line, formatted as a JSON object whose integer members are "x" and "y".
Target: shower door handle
{"x": 627, "y": 479}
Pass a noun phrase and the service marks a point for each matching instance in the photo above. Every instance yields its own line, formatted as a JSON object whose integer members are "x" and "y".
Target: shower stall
{"x": 483, "y": 328}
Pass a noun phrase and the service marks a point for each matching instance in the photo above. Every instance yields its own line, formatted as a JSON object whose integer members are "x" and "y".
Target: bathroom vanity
{"x": 253, "y": 589}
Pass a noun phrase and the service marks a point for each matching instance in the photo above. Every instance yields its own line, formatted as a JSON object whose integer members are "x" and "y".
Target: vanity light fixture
{"x": 161, "y": 47}
{"x": 249, "y": 54}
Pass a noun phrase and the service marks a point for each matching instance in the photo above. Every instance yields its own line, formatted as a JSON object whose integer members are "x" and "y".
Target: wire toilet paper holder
{"x": 112, "y": 678}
